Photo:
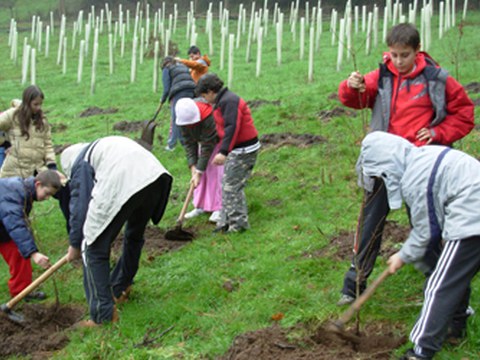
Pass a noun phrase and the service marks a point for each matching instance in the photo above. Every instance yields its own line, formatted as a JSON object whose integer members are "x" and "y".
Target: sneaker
{"x": 410, "y": 355}
{"x": 345, "y": 300}
{"x": 194, "y": 213}
{"x": 235, "y": 230}
{"x": 215, "y": 217}
{"x": 221, "y": 229}
{"x": 168, "y": 148}
{"x": 35, "y": 296}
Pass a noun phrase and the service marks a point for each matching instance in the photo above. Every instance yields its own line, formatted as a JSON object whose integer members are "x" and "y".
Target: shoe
{"x": 215, "y": 217}
{"x": 168, "y": 148}
{"x": 194, "y": 213}
{"x": 123, "y": 298}
{"x": 410, "y": 355}
{"x": 35, "y": 296}
{"x": 345, "y": 300}
{"x": 235, "y": 230}
{"x": 83, "y": 324}
{"x": 221, "y": 229}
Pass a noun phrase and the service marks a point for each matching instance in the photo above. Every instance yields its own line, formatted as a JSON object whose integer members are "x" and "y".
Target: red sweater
{"x": 411, "y": 107}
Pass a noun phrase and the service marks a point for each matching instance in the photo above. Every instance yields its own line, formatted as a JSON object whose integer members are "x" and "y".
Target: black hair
{"x": 25, "y": 114}
{"x": 207, "y": 82}
{"x": 404, "y": 34}
{"x": 193, "y": 50}
{"x": 49, "y": 178}
{"x": 168, "y": 60}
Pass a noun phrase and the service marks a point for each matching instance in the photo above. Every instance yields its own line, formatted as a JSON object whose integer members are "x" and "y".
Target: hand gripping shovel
{"x": 148, "y": 130}
{"x": 7, "y": 308}
{"x": 339, "y": 325}
{"x": 178, "y": 233}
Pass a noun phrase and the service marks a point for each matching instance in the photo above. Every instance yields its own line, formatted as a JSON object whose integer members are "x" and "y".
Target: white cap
{"x": 187, "y": 112}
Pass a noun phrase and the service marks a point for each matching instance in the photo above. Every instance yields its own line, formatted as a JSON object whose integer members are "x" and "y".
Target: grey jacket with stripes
{"x": 406, "y": 170}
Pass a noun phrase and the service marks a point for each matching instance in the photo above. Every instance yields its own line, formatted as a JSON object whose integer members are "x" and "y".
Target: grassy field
{"x": 293, "y": 193}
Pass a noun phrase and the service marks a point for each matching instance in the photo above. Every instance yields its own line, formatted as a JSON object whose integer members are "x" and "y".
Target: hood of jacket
{"x": 68, "y": 157}
{"x": 384, "y": 155}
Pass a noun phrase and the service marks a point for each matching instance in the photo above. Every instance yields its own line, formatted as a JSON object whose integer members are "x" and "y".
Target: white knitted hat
{"x": 187, "y": 112}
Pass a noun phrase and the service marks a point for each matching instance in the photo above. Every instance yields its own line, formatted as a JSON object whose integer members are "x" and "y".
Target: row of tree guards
{"x": 85, "y": 32}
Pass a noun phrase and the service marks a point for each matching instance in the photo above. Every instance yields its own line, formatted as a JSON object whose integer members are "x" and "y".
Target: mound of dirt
{"x": 97, "y": 111}
{"x": 274, "y": 343}
{"x": 41, "y": 332}
{"x": 128, "y": 126}
{"x": 283, "y": 139}
{"x": 60, "y": 127}
{"x": 155, "y": 243}
{"x": 340, "y": 247}
{"x": 473, "y": 87}
{"x": 327, "y": 115}
{"x": 253, "y": 104}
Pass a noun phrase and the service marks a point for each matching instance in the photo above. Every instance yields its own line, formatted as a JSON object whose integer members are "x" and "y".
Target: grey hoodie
{"x": 406, "y": 170}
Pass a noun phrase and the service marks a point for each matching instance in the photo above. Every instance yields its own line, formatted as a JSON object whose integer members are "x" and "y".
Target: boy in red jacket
{"x": 412, "y": 97}
{"x": 238, "y": 150}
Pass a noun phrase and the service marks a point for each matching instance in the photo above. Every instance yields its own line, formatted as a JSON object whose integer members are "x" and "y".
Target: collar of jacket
{"x": 219, "y": 96}
{"x": 30, "y": 188}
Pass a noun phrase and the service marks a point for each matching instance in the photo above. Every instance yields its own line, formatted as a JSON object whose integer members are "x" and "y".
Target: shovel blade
{"x": 179, "y": 234}
{"x": 148, "y": 132}
{"x": 12, "y": 315}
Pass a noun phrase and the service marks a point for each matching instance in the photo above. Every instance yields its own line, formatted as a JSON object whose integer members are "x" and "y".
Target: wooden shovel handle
{"x": 357, "y": 304}
{"x": 157, "y": 112}
{"x": 37, "y": 282}
{"x": 185, "y": 204}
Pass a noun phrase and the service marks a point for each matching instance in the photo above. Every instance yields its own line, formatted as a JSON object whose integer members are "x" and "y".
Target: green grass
{"x": 316, "y": 187}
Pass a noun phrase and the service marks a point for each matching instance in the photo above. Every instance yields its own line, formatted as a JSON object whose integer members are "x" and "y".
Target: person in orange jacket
{"x": 197, "y": 64}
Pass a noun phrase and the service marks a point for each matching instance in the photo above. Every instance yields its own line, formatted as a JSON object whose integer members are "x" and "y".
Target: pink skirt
{"x": 208, "y": 194}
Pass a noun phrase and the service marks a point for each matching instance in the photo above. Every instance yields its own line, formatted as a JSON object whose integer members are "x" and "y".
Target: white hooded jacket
{"x": 119, "y": 168}
{"x": 406, "y": 170}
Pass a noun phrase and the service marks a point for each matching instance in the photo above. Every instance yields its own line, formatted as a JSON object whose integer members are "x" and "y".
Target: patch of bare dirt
{"x": 473, "y": 87}
{"x": 60, "y": 127}
{"x": 377, "y": 341}
{"x": 41, "y": 333}
{"x": 277, "y": 140}
{"x": 94, "y": 110}
{"x": 341, "y": 246}
{"x": 253, "y": 104}
{"x": 327, "y": 115}
{"x": 128, "y": 126}
{"x": 58, "y": 149}
{"x": 155, "y": 243}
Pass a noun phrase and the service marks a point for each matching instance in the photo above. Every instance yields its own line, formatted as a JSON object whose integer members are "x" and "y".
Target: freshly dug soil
{"x": 60, "y": 127}
{"x": 473, "y": 87}
{"x": 253, "y": 104}
{"x": 155, "y": 243}
{"x": 377, "y": 341}
{"x": 94, "y": 110}
{"x": 41, "y": 333}
{"x": 341, "y": 246}
{"x": 128, "y": 126}
{"x": 277, "y": 140}
{"x": 327, "y": 115}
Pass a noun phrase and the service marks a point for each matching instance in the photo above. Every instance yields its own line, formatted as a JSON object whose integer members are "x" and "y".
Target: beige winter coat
{"x": 25, "y": 156}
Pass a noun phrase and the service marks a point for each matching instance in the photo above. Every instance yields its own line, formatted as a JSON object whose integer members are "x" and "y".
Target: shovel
{"x": 7, "y": 308}
{"x": 178, "y": 233}
{"x": 339, "y": 325}
{"x": 148, "y": 131}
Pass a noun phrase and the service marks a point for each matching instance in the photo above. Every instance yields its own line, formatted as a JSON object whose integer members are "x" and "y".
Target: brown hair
{"x": 49, "y": 178}
{"x": 404, "y": 34}
{"x": 24, "y": 111}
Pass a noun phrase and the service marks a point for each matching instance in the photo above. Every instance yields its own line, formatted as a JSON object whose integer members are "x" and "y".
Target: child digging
{"x": 17, "y": 244}
{"x": 413, "y": 98}
{"x": 441, "y": 187}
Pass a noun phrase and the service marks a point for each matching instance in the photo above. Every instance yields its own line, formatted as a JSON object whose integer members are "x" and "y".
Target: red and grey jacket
{"x": 234, "y": 122}
{"x": 404, "y": 104}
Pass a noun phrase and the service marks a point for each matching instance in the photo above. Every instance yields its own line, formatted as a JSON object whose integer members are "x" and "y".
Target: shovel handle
{"x": 357, "y": 304}
{"x": 157, "y": 112}
{"x": 37, "y": 282}
{"x": 185, "y": 204}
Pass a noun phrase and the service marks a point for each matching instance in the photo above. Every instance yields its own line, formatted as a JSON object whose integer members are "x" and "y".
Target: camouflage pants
{"x": 238, "y": 169}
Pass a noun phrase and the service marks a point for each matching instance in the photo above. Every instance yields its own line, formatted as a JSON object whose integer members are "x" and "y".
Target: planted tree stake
{"x": 231, "y": 45}
{"x": 25, "y": 60}
{"x": 134, "y": 60}
{"x": 33, "y": 68}
{"x": 142, "y": 42}
{"x": 155, "y": 66}
{"x": 310, "y": 53}
{"x": 259, "y": 51}
{"x": 110, "y": 53}
{"x": 302, "y": 38}
{"x": 94, "y": 68}
{"x": 341, "y": 37}
{"x": 81, "y": 54}
{"x": 64, "y": 57}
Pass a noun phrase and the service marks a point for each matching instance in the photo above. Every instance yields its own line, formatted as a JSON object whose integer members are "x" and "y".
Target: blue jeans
{"x": 175, "y": 134}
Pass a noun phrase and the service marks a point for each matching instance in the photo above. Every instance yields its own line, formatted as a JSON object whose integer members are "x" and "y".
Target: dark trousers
{"x": 446, "y": 295}
{"x": 101, "y": 285}
{"x": 370, "y": 229}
